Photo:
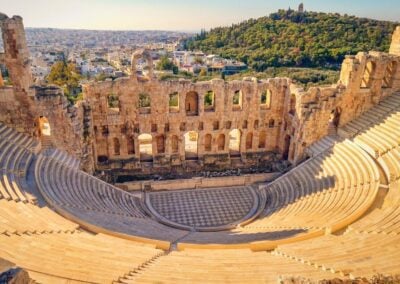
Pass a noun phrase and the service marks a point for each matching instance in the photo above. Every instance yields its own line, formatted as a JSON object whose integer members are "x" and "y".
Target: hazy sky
{"x": 188, "y": 15}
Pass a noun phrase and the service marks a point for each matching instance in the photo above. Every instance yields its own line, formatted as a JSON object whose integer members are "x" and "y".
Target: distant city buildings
{"x": 108, "y": 53}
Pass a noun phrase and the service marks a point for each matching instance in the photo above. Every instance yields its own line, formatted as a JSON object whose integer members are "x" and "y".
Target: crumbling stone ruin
{"x": 140, "y": 124}
{"x": 333, "y": 216}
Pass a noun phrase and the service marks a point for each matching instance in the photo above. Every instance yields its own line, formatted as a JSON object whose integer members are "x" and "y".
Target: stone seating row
{"x": 328, "y": 188}
{"x": 14, "y": 162}
{"x": 98, "y": 205}
{"x": 351, "y": 254}
{"x": 222, "y": 266}
{"x": 75, "y": 257}
{"x": 73, "y": 188}
{"x": 64, "y": 158}
{"x": 20, "y": 218}
{"x": 371, "y": 117}
{"x": 321, "y": 145}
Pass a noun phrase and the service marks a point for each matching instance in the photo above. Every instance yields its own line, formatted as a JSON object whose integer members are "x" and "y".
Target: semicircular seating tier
{"x": 349, "y": 186}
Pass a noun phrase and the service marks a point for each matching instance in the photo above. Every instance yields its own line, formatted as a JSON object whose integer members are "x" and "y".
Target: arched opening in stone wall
{"x": 113, "y": 102}
{"x": 291, "y": 152}
{"x": 265, "y": 99}
{"x": 237, "y": 100}
{"x": 249, "y": 141}
{"x": 145, "y": 147}
{"x": 221, "y": 142}
{"x": 174, "y": 102}
{"x": 191, "y": 141}
{"x": 160, "y": 141}
{"x": 174, "y": 144}
{"x": 271, "y": 123}
{"x": 192, "y": 103}
{"x": 292, "y": 106}
{"x": 368, "y": 74}
{"x": 4, "y": 78}
{"x": 207, "y": 142}
{"x": 390, "y": 73}
{"x": 261, "y": 139}
{"x": 335, "y": 117}
{"x": 43, "y": 126}
{"x": 117, "y": 146}
{"x": 144, "y": 103}
{"x": 286, "y": 147}
{"x": 130, "y": 145}
{"x": 209, "y": 101}
{"x": 234, "y": 142}
{"x": 244, "y": 124}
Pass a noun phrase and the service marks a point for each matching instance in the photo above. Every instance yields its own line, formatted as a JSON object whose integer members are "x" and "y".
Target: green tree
{"x": 64, "y": 74}
{"x": 166, "y": 64}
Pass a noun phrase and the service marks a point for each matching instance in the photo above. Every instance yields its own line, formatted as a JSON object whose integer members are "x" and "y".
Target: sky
{"x": 180, "y": 15}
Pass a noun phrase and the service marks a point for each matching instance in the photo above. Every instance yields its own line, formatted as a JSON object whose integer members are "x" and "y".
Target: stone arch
{"x": 221, "y": 142}
{"x": 369, "y": 71}
{"x": 145, "y": 54}
{"x": 249, "y": 141}
{"x": 144, "y": 103}
{"x": 234, "y": 142}
{"x": 237, "y": 100}
{"x": 335, "y": 116}
{"x": 292, "y": 105}
{"x": 265, "y": 99}
{"x": 271, "y": 123}
{"x": 117, "y": 146}
{"x": 191, "y": 145}
{"x": 286, "y": 147}
{"x": 173, "y": 102}
{"x": 43, "y": 126}
{"x": 174, "y": 144}
{"x": 207, "y": 142}
{"x": 145, "y": 147}
{"x": 261, "y": 139}
{"x": 160, "y": 142}
{"x": 209, "y": 101}
{"x": 390, "y": 73}
{"x": 192, "y": 103}
{"x": 130, "y": 145}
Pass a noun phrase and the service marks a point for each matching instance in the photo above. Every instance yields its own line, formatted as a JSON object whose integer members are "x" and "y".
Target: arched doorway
{"x": 207, "y": 142}
{"x": 146, "y": 147}
{"x": 286, "y": 147}
{"x": 117, "y": 146}
{"x": 368, "y": 74}
{"x": 221, "y": 142}
{"x": 249, "y": 141}
{"x": 174, "y": 144}
{"x": 191, "y": 141}
{"x": 43, "y": 126}
{"x": 292, "y": 106}
{"x": 192, "y": 103}
{"x": 234, "y": 142}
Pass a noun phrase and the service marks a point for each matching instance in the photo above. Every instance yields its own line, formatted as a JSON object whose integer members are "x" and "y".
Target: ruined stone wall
{"x": 21, "y": 104}
{"x": 365, "y": 80}
{"x": 257, "y": 122}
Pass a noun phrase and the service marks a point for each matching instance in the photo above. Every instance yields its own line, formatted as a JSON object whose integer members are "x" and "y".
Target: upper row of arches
{"x": 192, "y": 101}
{"x": 370, "y": 71}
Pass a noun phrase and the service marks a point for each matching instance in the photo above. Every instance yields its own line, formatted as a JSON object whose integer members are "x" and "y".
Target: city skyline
{"x": 175, "y": 15}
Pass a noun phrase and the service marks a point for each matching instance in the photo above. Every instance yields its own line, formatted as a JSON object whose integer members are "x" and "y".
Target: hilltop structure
{"x": 334, "y": 214}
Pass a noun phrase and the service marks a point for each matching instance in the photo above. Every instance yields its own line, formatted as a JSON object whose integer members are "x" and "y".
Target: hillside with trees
{"x": 295, "y": 39}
